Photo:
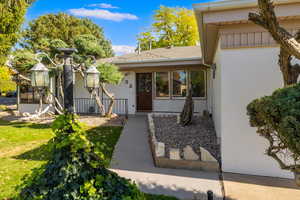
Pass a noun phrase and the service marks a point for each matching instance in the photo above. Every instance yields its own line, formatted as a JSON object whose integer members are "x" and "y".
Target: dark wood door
{"x": 144, "y": 91}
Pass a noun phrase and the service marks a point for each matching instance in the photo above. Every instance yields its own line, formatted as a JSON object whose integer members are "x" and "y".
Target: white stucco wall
{"x": 176, "y": 105}
{"x": 79, "y": 91}
{"x": 246, "y": 74}
{"x": 126, "y": 90}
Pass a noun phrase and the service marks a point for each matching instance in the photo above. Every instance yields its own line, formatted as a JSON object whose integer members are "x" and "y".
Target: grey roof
{"x": 159, "y": 54}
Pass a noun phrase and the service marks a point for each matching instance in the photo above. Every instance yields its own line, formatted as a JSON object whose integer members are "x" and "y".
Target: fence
{"x": 89, "y": 106}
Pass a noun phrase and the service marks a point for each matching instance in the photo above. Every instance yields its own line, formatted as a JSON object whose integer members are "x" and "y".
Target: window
{"x": 179, "y": 83}
{"x": 162, "y": 84}
{"x": 198, "y": 83}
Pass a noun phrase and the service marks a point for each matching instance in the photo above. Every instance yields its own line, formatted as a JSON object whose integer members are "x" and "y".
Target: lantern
{"x": 92, "y": 78}
{"x": 39, "y": 76}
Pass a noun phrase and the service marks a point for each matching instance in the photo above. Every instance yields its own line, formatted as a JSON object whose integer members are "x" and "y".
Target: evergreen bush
{"x": 76, "y": 171}
{"x": 277, "y": 118}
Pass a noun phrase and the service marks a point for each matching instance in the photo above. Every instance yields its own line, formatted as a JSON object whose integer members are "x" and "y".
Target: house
{"x": 244, "y": 59}
{"x": 236, "y": 63}
{"x": 157, "y": 80}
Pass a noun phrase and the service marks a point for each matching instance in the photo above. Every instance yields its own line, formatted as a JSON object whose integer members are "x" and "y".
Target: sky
{"x": 122, "y": 20}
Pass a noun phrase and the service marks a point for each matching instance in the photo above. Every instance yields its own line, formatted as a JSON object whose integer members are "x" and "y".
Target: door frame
{"x": 136, "y": 91}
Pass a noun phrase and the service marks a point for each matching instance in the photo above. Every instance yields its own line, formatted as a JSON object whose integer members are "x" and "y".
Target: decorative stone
{"x": 206, "y": 156}
{"x": 174, "y": 154}
{"x": 160, "y": 149}
{"x": 178, "y": 119}
{"x": 189, "y": 154}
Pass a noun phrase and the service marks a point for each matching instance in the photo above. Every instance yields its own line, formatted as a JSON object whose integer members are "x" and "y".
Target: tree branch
{"x": 267, "y": 19}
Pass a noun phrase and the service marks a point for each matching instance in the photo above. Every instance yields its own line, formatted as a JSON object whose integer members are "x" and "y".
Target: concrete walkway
{"x": 132, "y": 159}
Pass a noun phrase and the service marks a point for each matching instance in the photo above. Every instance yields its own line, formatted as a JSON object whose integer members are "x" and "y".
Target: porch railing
{"x": 89, "y": 106}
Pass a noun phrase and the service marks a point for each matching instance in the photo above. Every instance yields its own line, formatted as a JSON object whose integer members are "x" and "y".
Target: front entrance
{"x": 144, "y": 91}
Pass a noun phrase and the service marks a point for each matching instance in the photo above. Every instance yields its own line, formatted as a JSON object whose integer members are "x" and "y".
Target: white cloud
{"x": 102, "y": 14}
{"x": 103, "y": 5}
{"x": 123, "y": 49}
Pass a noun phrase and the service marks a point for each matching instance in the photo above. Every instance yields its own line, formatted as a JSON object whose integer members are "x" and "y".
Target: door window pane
{"x": 162, "y": 84}
{"x": 198, "y": 83}
{"x": 179, "y": 83}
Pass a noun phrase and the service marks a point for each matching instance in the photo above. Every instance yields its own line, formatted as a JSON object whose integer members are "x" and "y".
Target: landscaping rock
{"x": 160, "y": 149}
{"x": 206, "y": 156}
{"x": 201, "y": 133}
{"x": 189, "y": 154}
{"x": 174, "y": 154}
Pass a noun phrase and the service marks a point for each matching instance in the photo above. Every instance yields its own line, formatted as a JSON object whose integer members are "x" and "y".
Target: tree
{"x": 277, "y": 116}
{"x": 66, "y": 28}
{"x": 109, "y": 74}
{"x": 171, "y": 27}
{"x": 52, "y": 31}
{"x": 289, "y": 44}
{"x": 12, "y": 14}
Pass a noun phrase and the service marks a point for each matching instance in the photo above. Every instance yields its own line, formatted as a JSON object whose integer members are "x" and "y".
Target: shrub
{"x": 277, "y": 118}
{"x": 76, "y": 171}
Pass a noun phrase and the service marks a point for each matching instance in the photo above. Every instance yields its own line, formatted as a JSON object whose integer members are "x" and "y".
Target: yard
{"x": 25, "y": 146}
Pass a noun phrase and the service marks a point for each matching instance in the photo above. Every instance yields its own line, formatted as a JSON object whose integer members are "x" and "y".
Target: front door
{"x": 144, "y": 91}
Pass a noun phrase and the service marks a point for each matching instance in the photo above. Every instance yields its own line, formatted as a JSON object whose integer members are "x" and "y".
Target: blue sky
{"x": 122, "y": 20}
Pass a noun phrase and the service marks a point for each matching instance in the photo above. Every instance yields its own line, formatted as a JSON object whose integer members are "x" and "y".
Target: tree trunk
{"x": 99, "y": 103}
{"x": 186, "y": 115}
{"x": 289, "y": 44}
{"x": 290, "y": 73}
{"x": 112, "y": 100}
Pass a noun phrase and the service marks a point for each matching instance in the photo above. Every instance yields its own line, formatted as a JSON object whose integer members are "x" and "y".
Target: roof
{"x": 172, "y": 54}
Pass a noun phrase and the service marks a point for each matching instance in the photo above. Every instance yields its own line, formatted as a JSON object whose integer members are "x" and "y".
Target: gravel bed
{"x": 200, "y": 133}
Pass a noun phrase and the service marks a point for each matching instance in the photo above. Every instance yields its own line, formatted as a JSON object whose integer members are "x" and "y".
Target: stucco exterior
{"x": 246, "y": 74}
{"x": 246, "y": 60}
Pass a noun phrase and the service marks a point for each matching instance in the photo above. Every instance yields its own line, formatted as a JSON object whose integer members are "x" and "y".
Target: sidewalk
{"x": 132, "y": 159}
{"x": 247, "y": 187}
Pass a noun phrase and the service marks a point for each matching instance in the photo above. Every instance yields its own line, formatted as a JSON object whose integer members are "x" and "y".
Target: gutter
{"x": 233, "y": 4}
{"x": 159, "y": 60}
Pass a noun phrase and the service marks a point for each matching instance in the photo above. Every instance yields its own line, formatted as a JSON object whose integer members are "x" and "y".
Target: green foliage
{"x": 76, "y": 171}
{"x": 109, "y": 73}
{"x": 171, "y": 27}
{"x": 277, "y": 118}
{"x": 6, "y": 84}
{"x": 66, "y": 28}
{"x": 12, "y": 14}
{"x": 23, "y": 60}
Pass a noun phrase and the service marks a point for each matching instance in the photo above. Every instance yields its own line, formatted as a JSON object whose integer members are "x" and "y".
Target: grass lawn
{"x": 25, "y": 146}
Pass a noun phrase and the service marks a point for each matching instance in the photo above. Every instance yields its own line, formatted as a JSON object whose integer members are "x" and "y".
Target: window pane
{"x": 179, "y": 84}
{"x": 162, "y": 84}
{"x": 198, "y": 83}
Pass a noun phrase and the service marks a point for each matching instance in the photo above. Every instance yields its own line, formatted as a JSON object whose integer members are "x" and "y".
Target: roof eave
{"x": 159, "y": 60}
{"x": 233, "y": 4}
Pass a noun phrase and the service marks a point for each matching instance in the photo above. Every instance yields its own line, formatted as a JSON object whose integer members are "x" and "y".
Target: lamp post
{"x": 68, "y": 78}
{"x": 40, "y": 77}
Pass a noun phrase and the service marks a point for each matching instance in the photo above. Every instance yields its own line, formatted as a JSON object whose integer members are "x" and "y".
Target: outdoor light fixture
{"x": 39, "y": 76}
{"x": 92, "y": 78}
